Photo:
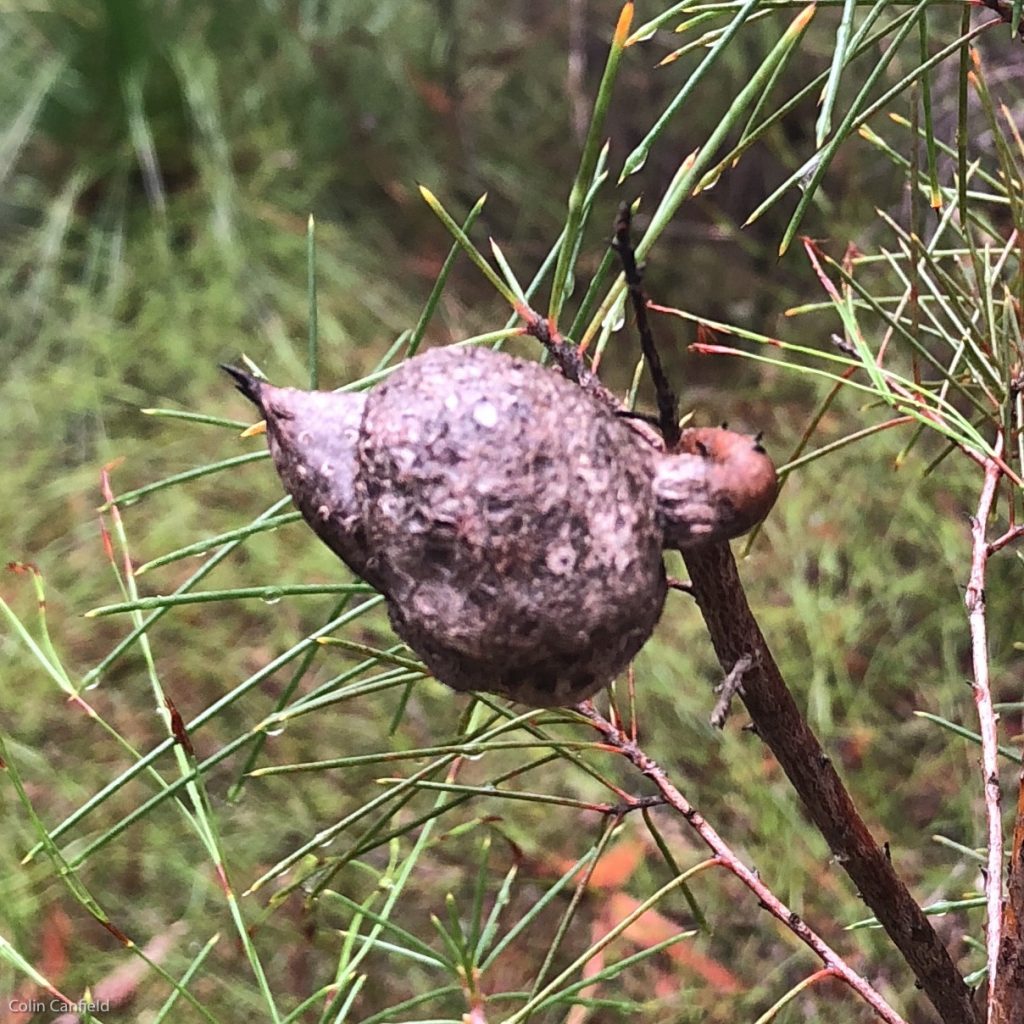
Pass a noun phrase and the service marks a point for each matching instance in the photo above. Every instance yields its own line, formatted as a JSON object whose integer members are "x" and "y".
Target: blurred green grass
{"x": 158, "y": 163}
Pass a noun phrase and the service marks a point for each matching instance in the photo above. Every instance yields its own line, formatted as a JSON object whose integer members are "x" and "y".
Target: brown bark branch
{"x": 735, "y": 634}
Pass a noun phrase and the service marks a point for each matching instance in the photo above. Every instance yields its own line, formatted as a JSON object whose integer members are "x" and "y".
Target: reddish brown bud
{"x": 719, "y": 486}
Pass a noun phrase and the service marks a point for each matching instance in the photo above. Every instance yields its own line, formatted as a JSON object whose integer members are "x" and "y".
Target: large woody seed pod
{"x": 513, "y": 521}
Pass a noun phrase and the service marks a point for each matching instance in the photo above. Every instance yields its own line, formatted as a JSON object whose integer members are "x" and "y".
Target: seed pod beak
{"x": 249, "y": 385}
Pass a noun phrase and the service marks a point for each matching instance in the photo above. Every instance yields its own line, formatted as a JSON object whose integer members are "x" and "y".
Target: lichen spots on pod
{"x": 486, "y": 414}
{"x": 513, "y": 522}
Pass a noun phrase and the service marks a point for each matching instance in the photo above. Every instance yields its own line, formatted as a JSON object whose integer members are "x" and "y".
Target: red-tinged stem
{"x": 724, "y": 854}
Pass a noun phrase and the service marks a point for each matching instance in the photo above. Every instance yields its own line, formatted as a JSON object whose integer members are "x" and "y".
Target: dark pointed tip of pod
{"x": 249, "y": 385}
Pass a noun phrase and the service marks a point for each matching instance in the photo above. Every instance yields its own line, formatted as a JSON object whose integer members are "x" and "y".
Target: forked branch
{"x": 778, "y": 721}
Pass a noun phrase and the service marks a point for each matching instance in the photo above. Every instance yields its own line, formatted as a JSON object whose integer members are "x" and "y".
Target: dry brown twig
{"x": 835, "y": 965}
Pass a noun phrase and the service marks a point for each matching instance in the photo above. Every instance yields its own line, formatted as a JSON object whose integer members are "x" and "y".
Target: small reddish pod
{"x": 514, "y": 523}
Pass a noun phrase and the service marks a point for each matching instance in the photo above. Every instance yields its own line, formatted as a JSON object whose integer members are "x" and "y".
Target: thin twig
{"x": 975, "y": 602}
{"x": 725, "y": 856}
{"x": 1013, "y": 534}
{"x": 566, "y": 357}
{"x": 1004, "y": 10}
{"x": 668, "y": 404}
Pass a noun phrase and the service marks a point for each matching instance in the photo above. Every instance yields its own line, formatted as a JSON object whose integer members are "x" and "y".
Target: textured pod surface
{"x": 510, "y": 521}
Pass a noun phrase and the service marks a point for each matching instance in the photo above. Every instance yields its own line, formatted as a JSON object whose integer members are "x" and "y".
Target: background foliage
{"x": 158, "y": 162}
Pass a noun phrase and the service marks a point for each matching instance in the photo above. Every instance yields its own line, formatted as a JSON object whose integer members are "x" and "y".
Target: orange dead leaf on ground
{"x": 120, "y": 986}
{"x": 397, "y": 191}
{"x": 53, "y": 959}
{"x": 612, "y": 871}
{"x": 856, "y": 663}
{"x": 580, "y": 1014}
{"x": 770, "y": 768}
{"x": 616, "y": 867}
{"x": 425, "y": 264}
{"x": 654, "y": 927}
{"x": 854, "y": 747}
